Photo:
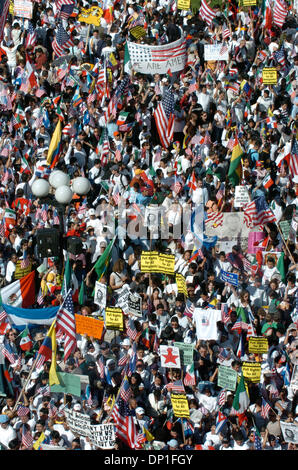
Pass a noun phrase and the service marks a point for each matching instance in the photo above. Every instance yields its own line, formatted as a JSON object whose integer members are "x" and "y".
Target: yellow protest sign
{"x": 138, "y": 32}
{"x": 183, "y": 4}
{"x": 89, "y": 326}
{"x": 149, "y": 261}
{"x": 269, "y": 76}
{"x": 251, "y": 371}
{"x": 249, "y": 3}
{"x": 258, "y": 345}
{"x": 180, "y": 406}
{"x": 11, "y": 7}
{"x": 181, "y": 284}
{"x": 166, "y": 263}
{"x": 114, "y": 318}
{"x": 90, "y": 16}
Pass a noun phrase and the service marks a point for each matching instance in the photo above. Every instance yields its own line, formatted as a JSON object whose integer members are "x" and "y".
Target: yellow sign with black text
{"x": 180, "y": 406}
{"x": 258, "y": 345}
{"x": 269, "y": 76}
{"x": 114, "y": 318}
{"x": 251, "y": 371}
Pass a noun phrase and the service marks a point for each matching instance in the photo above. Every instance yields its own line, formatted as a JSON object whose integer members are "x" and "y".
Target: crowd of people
{"x": 222, "y": 111}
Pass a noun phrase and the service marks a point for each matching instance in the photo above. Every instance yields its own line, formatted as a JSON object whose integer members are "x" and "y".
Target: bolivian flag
{"x": 235, "y": 169}
{"x": 55, "y": 146}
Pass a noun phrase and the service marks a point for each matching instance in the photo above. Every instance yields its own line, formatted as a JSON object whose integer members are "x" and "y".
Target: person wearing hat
{"x": 7, "y": 433}
{"x": 93, "y": 221}
{"x": 141, "y": 420}
{"x": 23, "y": 414}
{"x": 172, "y": 444}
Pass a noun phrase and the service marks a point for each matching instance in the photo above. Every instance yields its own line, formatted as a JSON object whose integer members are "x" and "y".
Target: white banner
{"x": 216, "y": 52}
{"x": 157, "y": 59}
{"x": 101, "y": 435}
{"x": 289, "y": 432}
{"x": 23, "y": 9}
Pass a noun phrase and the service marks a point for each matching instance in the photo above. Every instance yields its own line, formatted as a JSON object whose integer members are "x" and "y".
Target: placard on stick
{"x": 180, "y": 406}
{"x": 258, "y": 345}
{"x": 269, "y": 76}
{"x": 114, "y": 318}
{"x": 89, "y": 326}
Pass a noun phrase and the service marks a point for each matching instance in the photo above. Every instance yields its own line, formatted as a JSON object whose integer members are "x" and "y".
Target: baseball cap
{"x": 77, "y": 407}
{"x": 172, "y": 443}
{"x": 125, "y": 342}
{"x": 4, "y": 419}
{"x": 91, "y": 212}
{"x": 292, "y": 326}
{"x": 140, "y": 411}
{"x": 104, "y": 345}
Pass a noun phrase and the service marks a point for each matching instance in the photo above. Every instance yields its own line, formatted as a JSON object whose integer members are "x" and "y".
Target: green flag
{"x": 241, "y": 399}
{"x": 241, "y": 312}
{"x": 66, "y": 278}
{"x": 82, "y": 294}
{"x": 281, "y": 267}
{"x": 102, "y": 262}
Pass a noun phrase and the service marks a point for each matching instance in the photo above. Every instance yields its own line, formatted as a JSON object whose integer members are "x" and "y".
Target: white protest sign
{"x": 216, "y": 52}
{"x": 289, "y": 432}
{"x": 122, "y": 298}
{"x": 51, "y": 447}
{"x": 100, "y": 294}
{"x": 23, "y": 9}
{"x": 170, "y": 356}
{"x": 135, "y": 304}
{"x": 241, "y": 196}
{"x": 101, "y": 435}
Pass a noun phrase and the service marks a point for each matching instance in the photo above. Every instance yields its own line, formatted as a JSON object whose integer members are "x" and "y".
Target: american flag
{"x": 223, "y": 50}
{"x": 257, "y": 440}
{"x": 23, "y": 410}
{"x": 56, "y": 219}
{"x": 123, "y": 360}
{"x": 215, "y": 219}
{"x": 239, "y": 325}
{"x": 44, "y": 391}
{"x": 62, "y": 41}
{"x": 206, "y": 12}
{"x": 125, "y": 390}
{"x": 280, "y": 11}
{"x": 224, "y": 354}
{"x": 31, "y": 38}
{"x": 101, "y": 368}
{"x": 279, "y": 56}
{"x": 221, "y": 399}
{"x": 250, "y": 331}
{"x": 27, "y": 438}
{"x": 9, "y": 355}
{"x": 131, "y": 329}
{"x": 4, "y": 6}
{"x": 65, "y": 8}
{"x": 25, "y": 261}
{"x": 132, "y": 361}
{"x": 257, "y": 212}
{"x": 189, "y": 308}
{"x": 265, "y": 408}
{"x": 104, "y": 147}
{"x": 226, "y": 33}
{"x": 39, "y": 299}
{"x": 53, "y": 410}
{"x": 3, "y": 316}
{"x": 125, "y": 426}
{"x": 293, "y": 160}
{"x": 165, "y": 118}
{"x": 176, "y": 386}
{"x": 65, "y": 321}
{"x": 225, "y": 317}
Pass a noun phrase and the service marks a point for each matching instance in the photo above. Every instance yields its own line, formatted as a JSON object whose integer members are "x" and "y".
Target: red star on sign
{"x": 170, "y": 357}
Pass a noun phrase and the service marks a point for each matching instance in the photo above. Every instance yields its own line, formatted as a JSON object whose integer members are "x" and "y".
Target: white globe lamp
{"x": 63, "y": 194}
{"x": 59, "y": 178}
{"x": 40, "y": 188}
{"x": 81, "y": 185}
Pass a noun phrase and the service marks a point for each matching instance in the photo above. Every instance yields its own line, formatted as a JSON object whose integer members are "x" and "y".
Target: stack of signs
{"x": 135, "y": 304}
{"x": 101, "y": 435}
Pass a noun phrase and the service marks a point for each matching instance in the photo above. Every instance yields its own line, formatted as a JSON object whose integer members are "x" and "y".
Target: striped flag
{"x": 206, "y": 12}
{"x": 225, "y": 317}
{"x": 65, "y": 322}
{"x": 4, "y": 7}
{"x": 215, "y": 219}
{"x": 221, "y": 420}
{"x": 280, "y": 11}
{"x": 131, "y": 329}
{"x": 125, "y": 390}
{"x": 265, "y": 408}
{"x": 189, "y": 308}
{"x": 257, "y": 212}
{"x": 125, "y": 425}
{"x": 62, "y": 41}
{"x": 293, "y": 160}
{"x": 9, "y": 356}
{"x": 101, "y": 368}
{"x": 222, "y": 397}
{"x": 27, "y": 438}
{"x": 31, "y": 38}
{"x": 65, "y": 8}
{"x": 176, "y": 386}
{"x": 165, "y": 118}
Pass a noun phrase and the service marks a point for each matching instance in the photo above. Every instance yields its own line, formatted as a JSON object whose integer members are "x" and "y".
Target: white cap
{"x": 125, "y": 342}
{"x": 140, "y": 411}
{"x": 91, "y": 212}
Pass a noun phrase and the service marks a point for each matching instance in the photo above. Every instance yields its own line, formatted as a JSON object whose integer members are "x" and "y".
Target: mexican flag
{"x": 20, "y": 293}
{"x": 26, "y": 340}
{"x": 102, "y": 262}
{"x": 190, "y": 378}
{"x": 122, "y": 118}
{"x": 241, "y": 399}
{"x": 127, "y": 62}
{"x": 9, "y": 217}
{"x": 281, "y": 267}
{"x": 235, "y": 168}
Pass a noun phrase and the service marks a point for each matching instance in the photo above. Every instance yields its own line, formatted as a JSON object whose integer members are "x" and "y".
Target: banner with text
{"x": 101, "y": 435}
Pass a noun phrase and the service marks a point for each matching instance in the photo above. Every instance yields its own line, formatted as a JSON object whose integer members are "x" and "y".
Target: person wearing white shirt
{"x": 204, "y": 98}
{"x": 10, "y": 268}
{"x": 7, "y": 433}
{"x": 200, "y": 194}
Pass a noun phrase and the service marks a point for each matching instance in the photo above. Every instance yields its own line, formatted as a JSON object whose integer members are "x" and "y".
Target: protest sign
{"x": 285, "y": 226}
{"x": 89, "y": 326}
{"x": 227, "y": 378}
{"x": 269, "y": 76}
{"x": 180, "y": 406}
{"x": 100, "y": 294}
{"x": 149, "y": 261}
{"x": 69, "y": 383}
{"x": 181, "y": 284}
{"x": 254, "y": 240}
{"x": 90, "y": 15}
{"x": 154, "y": 262}
{"x": 114, "y": 318}
{"x": 241, "y": 196}
{"x": 134, "y": 304}
{"x": 50, "y": 447}
{"x": 258, "y": 345}
{"x": 289, "y": 432}
{"x": 138, "y": 32}
{"x": 231, "y": 278}
{"x": 249, "y": 3}
{"x": 101, "y": 435}
{"x": 166, "y": 263}
{"x": 215, "y": 52}
{"x": 157, "y": 59}
{"x": 293, "y": 387}
{"x": 183, "y": 4}
{"x": 122, "y": 298}
{"x": 169, "y": 356}
{"x": 186, "y": 352}
{"x": 23, "y": 9}
{"x": 251, "y": 371}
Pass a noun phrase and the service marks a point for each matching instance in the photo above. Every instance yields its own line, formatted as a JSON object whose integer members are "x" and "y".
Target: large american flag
{"x": 27, "y": 438}
{"x": 4, "y": 6}
{"x": 293, "y": 159}
{"x": 65, "y": 8}
{"x": 280, "y": 11}
{"x": 65, "y": 322}
{"x": 31, "y": 38}
{"x": 215, "y": 219}
{"x": 257, "y": 212}
{"x": 125, "y": 426}
{"x": 206, "y": 12}
{"x": 165, "y": 118}
{"x": 62, "y": 41}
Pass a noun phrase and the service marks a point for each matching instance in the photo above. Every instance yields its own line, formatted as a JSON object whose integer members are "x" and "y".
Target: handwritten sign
{"x": 180, "y": 406}
{"x": 101, "y": 435}
{"x": 285, "y": 226}
{"x": 269, "y": 76}
{"x": 227, "y": 378}
{"x": 258, "y": 345}
{"x": 213, "y": 52}
{"x": 23, "y": 9}
{"x": 241, "y": 196}
{"x": 89, "y": 326}
{"x": 186, "y": 352}
{"x": 114, "y": 318}
{"x": 251, "y": 371}
{"x": 135, "y": 304}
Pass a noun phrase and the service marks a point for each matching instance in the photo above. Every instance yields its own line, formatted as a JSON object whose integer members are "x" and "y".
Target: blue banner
{"x": 231, "y": 278}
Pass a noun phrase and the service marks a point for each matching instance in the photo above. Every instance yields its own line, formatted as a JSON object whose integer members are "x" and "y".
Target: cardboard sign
{"x": 285, "y": 226}
{"x": 214, "y": 52}
{"x": 181, "y": 284}
{"x": 289, "y": 432}
{"x": 114, "y": 318}
{"x": 101, "y": 435}
{"x": 231, "y": 278}
{"x": 227, "y": 378}
{"x": 170, "y": 356}
{"x": 251, "y": 371}
{"x": 166, "y": 263}
{"x": 69, "y": 383}
{"x": 149, "y": 261}
{"x": 269, "y": 76}
{"x": 154, "y": 262}
{"x": 100, "y": 294}
{"x": 135, "y": 304}
{"x": 183, "y": 4}
{"x": 186, "y": 352}
{"x": 258, "y": 345}
{"x": 89, "y": 326}
{"x": 241, "y": 196}
{"x": 180, "y": 406}
{"x": 138, "y": 32}
{"x": 23, "y": 9}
